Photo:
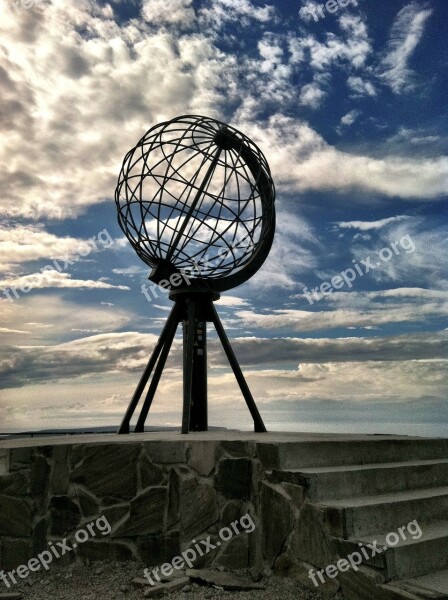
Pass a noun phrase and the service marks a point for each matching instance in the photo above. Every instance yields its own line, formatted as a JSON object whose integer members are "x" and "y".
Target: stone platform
{"x": 312, "y": 498}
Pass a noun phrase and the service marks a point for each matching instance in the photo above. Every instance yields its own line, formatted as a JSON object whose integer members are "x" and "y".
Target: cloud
{"x": 51, "y": 319}
{"x": 245, "y": 12}
{"x": 231, "y": 301}
{"x": 128, "y": 352}
{"x": 368, "y": 225}
{"x": 292, "y": 254}
{"x": 26, "y": 243}
{"x": 52, "y": 279}
{"x": 298, "y": 156}
{"x": 360, "y": 86}
{"x": 71, "y": 111}
{"x": 407, "y": 31}
{"x": 426, "y": 264}
{"x": 350, "y": 117}
{"x": 175, "y": 12}
{"x": 253, "y": 351}
{"x": 313, "y": 94}
{"x": 354, "y": 309}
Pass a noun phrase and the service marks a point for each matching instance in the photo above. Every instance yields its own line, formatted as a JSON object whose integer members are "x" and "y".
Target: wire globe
{"x": 196, "y": 196}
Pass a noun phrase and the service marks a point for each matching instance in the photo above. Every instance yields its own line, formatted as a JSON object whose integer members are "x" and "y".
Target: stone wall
{"x": 158, "y": 496}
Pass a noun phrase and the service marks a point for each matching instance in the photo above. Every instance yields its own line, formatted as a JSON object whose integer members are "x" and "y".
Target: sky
{"x": 347, "y": 101}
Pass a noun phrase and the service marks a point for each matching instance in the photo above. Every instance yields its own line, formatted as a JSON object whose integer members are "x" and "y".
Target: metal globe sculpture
{"x": 196, "y": 196}
{"x": 195, "y": 199}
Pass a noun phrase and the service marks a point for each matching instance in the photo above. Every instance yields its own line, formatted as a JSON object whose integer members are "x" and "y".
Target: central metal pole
{"x": 198, "y": 405}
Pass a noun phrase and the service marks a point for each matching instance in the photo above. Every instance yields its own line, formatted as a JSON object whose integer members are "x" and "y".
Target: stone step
{"x": 333, "y": 483}
{"x": 355, "y": 517}
{"x": 350, "y": 451}
{"x": 436, "y": 581}
{"x": 363, "y": 586}
{"x": 410, "y": 557}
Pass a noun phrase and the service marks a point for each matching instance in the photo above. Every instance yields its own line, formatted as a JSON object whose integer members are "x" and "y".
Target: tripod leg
{"x": 258, "y": 421}
{"x": 188, "y": 367}
{"x": 169, "y": 332}
{"x": 124, "y": 427}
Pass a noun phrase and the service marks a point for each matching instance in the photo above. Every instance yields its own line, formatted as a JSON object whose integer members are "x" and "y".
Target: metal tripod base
{"x": 194, "y": 310}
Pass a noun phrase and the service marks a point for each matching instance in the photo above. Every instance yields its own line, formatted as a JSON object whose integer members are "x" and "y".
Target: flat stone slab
{"x": 172, "y": 436}
{"x": 166, "y": 588}
{"x": 224, "y": 580}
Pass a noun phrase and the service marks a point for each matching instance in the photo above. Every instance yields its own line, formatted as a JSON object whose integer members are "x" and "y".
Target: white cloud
{"x": 426, "y": 264}
{"x": 368, "y": 225}
{"x": 352, "y": 48}
{"x": 231, "y": 301}
{"x": 174, "y": 12}
{"x": 26, "y": 243}
{"x": 298, "y": 156}
{"x": 313, "y": 94}
{"x": 74, "y": 107}
{"x": 350, "y": 117}
{"x": 292, "y": 254}
{"x": 354, "y": 309}
{"x": 52, "y": 279}
{"x": 406, "y": 33}
{"x": 243, "y": 11}
{"x": 360, "y": 86}
{"x": 57, "y": 318}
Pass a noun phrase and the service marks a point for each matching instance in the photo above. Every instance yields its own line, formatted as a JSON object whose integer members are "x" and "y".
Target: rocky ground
{"x": 113, "y": 581}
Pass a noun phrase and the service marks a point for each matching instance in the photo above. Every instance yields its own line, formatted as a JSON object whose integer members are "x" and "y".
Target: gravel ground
{"x": 112, "y": 581}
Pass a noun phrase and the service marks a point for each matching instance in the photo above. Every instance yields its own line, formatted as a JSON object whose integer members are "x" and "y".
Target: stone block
{"x": 233, "y": 510}
{"x": 20, "y": 458}
{"x": 16, "y": 516}
{"x": 4, "y": 461}
{"x": 15, "y": 553}
{"x": 235, "y": 554}
{"x": 108, "y": 470}
{"x": 277, "y": 520}
{"x": 40, "y": 471}
{"x": 40, "y": 531}
{"x": 173, "y": 499}
{"x": 162, "y": 452}
{"x": 234, "y": 478}
{"x": 296, "y": 492}
{"x": 310, "y": 541}
{"x": 116, "y": 514}
{"x": 88, "y": 503}
{"x": 239, "y": 448}
{"x": 65, "y": 515}
{"x": 198, "y": 507}
{"x": 155, "y": 550}
{"x": 150, "y": 474}
{"x": 202, "y": 457}
{"x": 147, "y": 514}
{"x": 60, "y": 470}
{"x": 269, "y": 455}
{"x": 14, "y": 484}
